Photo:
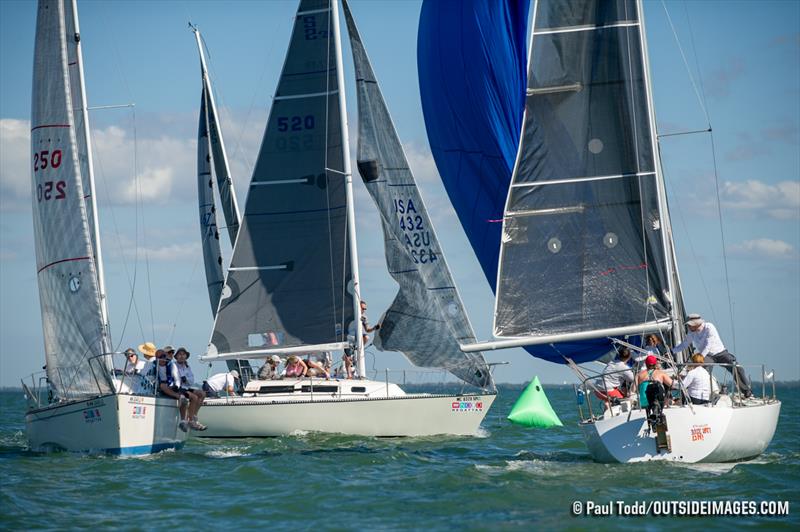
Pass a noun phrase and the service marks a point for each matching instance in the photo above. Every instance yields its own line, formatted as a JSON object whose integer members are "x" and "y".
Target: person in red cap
{"x": 649, "y": 375}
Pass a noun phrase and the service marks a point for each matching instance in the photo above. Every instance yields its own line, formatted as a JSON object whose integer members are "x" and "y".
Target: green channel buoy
{"x": 532, "y": 409}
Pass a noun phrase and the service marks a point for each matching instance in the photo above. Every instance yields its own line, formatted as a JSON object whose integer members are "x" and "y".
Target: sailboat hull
{"x": 406, "y": 415}
{"x": 114, "y": 424}
{"x": 721, "y": 433}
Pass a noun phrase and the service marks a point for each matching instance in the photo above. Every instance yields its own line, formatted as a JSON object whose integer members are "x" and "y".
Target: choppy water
{"x": 509, "y": 478}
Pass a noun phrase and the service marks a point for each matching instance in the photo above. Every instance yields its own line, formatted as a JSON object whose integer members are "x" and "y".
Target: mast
{"x": 213, "y": 110}
{"x": 101, "y": 284}
{"x": 348, "y": 176}
{"x": 666, "y": 225}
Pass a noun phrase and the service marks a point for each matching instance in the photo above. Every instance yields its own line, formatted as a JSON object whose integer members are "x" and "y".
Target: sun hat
{"x": 167, "y": 348}
{"x": 693, "y": 320}
{"x": 183, "y": 350}
{"x": 234, "y": 374}
{"x": 148, "y": 349}
{"x": 276, "y": 359}
{"x": 651, "y": 360}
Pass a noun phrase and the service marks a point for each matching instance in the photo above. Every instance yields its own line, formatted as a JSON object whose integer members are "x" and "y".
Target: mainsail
{"x": 426, "y": 321}
{"x": 69, "y": 294}
{"x": 585, "y": 250}
{"x": 289, "y": 283}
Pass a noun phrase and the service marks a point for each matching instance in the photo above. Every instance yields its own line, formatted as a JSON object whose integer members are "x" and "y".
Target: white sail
{"x": 72, "y": 316}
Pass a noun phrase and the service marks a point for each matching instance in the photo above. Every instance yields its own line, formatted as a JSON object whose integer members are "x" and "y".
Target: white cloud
{"x": 780, "y": 200}
{"x": 764, "y": 248}
{"x": 15, "y": 175}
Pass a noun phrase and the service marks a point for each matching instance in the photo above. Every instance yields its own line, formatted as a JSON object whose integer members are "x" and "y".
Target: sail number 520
{"x": 45, "y": 159}
{"x": 295, "y": 123}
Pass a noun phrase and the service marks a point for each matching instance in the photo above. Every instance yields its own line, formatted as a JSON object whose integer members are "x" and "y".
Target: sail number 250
{"x": 48, "y": 190}
{"x": 44, "y": 159}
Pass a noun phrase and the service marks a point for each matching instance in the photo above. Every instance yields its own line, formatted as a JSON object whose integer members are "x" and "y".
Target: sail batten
{"x": 582, "y": 251}
{"x": 426, "y": 321}
{"x": 289, "y": 284}
{"x": 73, "y": 318}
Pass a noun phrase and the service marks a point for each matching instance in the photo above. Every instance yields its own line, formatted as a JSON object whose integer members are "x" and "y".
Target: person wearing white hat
{"x": 221, "y": 382}
{"x": 704, "y": 337}
{"x": 269, "y": 371}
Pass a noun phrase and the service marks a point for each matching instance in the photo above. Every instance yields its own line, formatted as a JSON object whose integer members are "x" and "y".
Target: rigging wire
{"x": 139, "y": 208}
{"x": 118, "y": 235}
{"x": 700, "y": 93}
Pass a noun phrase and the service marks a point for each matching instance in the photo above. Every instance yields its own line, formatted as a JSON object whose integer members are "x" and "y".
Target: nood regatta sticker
{"x": 467, "y": 404}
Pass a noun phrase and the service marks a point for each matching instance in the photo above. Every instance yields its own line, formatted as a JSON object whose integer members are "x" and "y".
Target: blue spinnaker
{"x": 471, "y": 58}
{"x": 472, "y": 64}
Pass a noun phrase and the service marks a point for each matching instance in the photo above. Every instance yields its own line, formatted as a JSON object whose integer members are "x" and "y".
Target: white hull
{"x": 116, "y": 424}
{"x": 370, "y": 414}
{"x": 720, "y": 433}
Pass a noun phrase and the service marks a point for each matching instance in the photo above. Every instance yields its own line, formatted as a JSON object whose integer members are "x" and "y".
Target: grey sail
{"x": 583, "y": 242}
{"x": 426, "y": 321}
{"x": 68, "y": 285}
{"x": 288, "y": 282}
{"x": 227, "y": 195}
{"x": 209, "y": 233}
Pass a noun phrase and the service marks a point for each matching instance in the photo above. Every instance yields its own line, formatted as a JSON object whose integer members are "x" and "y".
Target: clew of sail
{"x": 426, "y": 321}
{"x": 72, "y": 317}
{"x": 583, "y": 249}
{"x": 289, "y": 286}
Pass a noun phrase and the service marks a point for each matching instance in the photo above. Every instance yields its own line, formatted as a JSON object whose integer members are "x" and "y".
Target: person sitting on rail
{"x": 698, "y": 381}
{"x": 169, "y": 385}
{"x": 617, "y": 377}
{"x": 652, "y": 385}
{"x": 188, "y": 388}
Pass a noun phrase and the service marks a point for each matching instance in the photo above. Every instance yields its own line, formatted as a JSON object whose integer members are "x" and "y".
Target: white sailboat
{"x": 587, "y": 252}
{"x": 293, "y": 285}
{"x": 80, "y": 405}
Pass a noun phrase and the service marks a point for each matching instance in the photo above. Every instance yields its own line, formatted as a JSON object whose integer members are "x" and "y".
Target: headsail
{"x": 209, "y": 232}
{"x": 72, "y": 318}
{"x": 426, "y": 321}
{"x": 583, "y": 248}
{"x": 287, "y": 286}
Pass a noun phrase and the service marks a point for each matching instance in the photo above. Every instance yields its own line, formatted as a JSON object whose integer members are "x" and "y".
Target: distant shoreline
{"x": 508, "y": 385}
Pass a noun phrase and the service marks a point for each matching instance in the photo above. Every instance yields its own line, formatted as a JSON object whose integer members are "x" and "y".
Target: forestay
{"x": 68, "y": 286}
{"x": 582, "y": 249}
{"x": 287, "y": 286}
{"x": 426, "y": 321}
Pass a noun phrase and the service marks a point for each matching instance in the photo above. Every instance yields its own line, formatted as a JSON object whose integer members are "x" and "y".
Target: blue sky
{"x": 744, "y": 56}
